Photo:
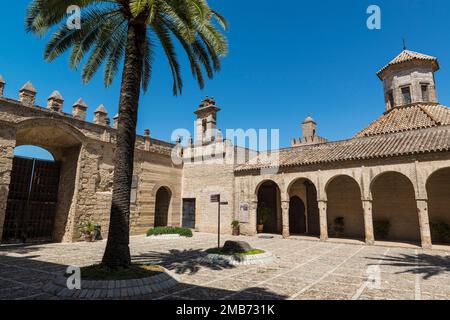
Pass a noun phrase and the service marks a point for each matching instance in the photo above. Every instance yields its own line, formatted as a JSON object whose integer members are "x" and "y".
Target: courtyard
{"x": 304, "y": 269}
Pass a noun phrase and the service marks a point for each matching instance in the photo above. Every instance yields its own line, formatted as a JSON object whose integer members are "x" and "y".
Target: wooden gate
{"x": 32, "y": 201}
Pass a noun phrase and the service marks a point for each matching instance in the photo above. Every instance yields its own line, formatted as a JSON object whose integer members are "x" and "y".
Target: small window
{"x": 391, "y": 99}
{"x": 406, "y": 93}
{"x": 204, "y": 125}
{"x": 425, "y": 93}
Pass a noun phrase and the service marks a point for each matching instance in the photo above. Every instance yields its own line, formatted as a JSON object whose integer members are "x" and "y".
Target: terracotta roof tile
{"x": 364, "y": 148}
{"x": 411, "y": 117}
{"x": 406, "y": 56}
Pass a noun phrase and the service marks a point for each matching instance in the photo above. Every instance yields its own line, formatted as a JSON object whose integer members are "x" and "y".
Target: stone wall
{"x": 85, "y": 152}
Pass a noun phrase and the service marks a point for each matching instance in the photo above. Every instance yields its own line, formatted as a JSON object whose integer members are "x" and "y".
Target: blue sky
{"x": 287, "y": 60}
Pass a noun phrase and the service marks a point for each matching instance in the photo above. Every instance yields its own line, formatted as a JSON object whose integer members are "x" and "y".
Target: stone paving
{"x": 303, "y": 270}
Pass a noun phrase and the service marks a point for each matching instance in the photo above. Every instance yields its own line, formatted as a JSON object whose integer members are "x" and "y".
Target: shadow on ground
{"x": 181, "y": 261}
{"x": 23, "y": 277}
{"x": 421, "y": 264}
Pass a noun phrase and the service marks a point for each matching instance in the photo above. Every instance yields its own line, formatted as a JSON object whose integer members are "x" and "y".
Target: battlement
{"x": 25, "y": 107}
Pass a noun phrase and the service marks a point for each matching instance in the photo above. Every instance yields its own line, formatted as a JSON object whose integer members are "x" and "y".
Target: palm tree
{"x": 116, "y": 31}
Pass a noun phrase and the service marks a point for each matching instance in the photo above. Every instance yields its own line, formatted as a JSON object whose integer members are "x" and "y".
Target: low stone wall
{"x": 253, "y": 259}
{"x": 111, "y": 289}
{"x": 166, "y": 237}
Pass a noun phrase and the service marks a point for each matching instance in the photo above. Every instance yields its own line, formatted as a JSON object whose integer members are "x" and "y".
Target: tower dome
{"x": 409, "y": 79}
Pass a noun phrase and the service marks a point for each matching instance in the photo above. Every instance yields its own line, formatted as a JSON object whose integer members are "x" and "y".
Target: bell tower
{"x": 206, "y": 121}
{"x": 409, "y": 79}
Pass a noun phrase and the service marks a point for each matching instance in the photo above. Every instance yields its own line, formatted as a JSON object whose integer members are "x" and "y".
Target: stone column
{"x": 285, "y": 218}
{"x": 253, "y": 216}
{"x": 424, "y": 223}
{"x": 368, "y": 222}
{"x": 2, "y": 85}
{"x": 27, "y": 95}
{"x": 323, "y": 220}
{"x": 7, "y": 144}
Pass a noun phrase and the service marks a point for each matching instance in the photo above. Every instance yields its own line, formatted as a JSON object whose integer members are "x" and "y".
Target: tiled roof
{"x": 406, "y": 118}
{"x": 407, "y": 55}
{"x": 380, "y": 146}
{"x": 413, "y": 129}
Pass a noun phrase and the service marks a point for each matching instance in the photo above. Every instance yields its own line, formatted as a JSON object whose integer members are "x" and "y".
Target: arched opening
{"x": 304, "y": 190}
{"x": 297, "y": 216}
{"x": 33, "y": 196}
{"x": 42, "y": 183}
{"x": 268, "y": 213}
{"x": 162, "y": 207}
{"x": 345, "y": 214}
{"x": 30, "y": 151}
{"x": 395, "y": 216}
{"x": 438, "y": 190}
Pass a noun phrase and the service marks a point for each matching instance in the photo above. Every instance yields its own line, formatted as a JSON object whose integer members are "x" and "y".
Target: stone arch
{"x": 344, "y": 201}
{"x": 307, "y": 191}
{"x": 394, "y": 204}
{"x": 64, "y": 142}
{"x": 163, "y": 204}
{"x": 268, "y": 212}
{"x": 438, "y": 191}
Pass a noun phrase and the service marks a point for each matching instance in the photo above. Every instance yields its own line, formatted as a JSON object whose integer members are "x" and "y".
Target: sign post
{"x": 216, "y": 198}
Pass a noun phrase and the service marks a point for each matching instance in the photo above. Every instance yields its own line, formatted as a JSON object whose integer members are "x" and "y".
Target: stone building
{"x": 391, "y": 181}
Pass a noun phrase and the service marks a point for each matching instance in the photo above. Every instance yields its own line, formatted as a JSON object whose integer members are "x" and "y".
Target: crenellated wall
{"x": 85, "y": 151}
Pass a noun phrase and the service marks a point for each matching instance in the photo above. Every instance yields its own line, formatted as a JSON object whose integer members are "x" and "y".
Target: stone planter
{"x": 110, "y": 289}
{"x": 236, "y": 231}
{"x": 253, "y": 259}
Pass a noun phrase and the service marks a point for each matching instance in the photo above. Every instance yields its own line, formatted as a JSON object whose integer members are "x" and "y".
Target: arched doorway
{"x": 395, "y": 215}
{"x": 162, "y": 207}
{"x": 345, "y": 214}
{"x": 268, "y": 213}
{"x": 41, "y": 191}
{"x": 438, "y": 190}
{"x": 33, "y": 196}
{"x": 305, "y": 190}
{"x": 297, "y": 217}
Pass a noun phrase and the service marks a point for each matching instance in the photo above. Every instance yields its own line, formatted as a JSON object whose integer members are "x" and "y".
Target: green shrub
{"x": 381, "y": 229}
{"x": 87, "y": 227}
{"x": 248, "y": 253}
{"x": 440, "y": 232}
{"x": 184, "y": 232}
{"x": 235, "y": 223}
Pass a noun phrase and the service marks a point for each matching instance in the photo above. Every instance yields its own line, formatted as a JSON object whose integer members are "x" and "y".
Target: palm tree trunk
{"x": 117, "y": 252}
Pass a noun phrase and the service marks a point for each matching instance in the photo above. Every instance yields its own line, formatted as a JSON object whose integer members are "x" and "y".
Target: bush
{"x": 184, "y": 232}
{"x": 381, "y": 229}
{"x": 235, "y": 223}
{"x": 221, "y": 252}
{"x": 440, "y": 232}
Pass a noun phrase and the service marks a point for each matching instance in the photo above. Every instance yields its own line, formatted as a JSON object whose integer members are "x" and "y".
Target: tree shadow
{"x": 182, "y": 261}
{"x": 24, "y": 278}
{"x": 422, "y": 264}
{"x": 21, "y": 248}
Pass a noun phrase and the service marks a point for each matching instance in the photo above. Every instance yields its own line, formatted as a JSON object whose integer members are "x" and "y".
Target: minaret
{"x": 206, "y": 121}
{"x": 409, "y": 79}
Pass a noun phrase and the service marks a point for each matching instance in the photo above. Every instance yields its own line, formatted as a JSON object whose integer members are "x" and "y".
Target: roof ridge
{"x": 421, "y": 106}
